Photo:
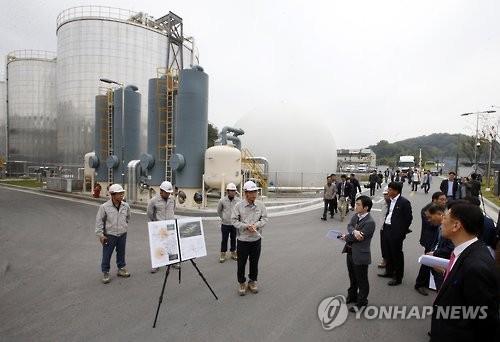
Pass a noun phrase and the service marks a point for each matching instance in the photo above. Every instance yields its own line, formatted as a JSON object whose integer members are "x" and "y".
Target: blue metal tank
{"x": 191, "y": 123}
{"x": 125, "y": 148}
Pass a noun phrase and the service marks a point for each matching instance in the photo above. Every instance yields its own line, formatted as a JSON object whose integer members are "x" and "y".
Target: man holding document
{"x": 360, "y": 231}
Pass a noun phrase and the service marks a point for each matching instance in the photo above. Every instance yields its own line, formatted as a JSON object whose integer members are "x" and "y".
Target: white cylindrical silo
{"x": 31, "y": 91}
{"x": 96, "y": 42}
{"x": 222, "y": 165}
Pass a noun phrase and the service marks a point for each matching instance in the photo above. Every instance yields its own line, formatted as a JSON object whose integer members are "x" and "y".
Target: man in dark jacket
{"x": 396, "y": 225}
{"x": 470, "y": 283}
{"x": 358, "y": 239}
{"x": 372, "y": 180}
{"x": 450, "y": 186}
{"x": 428, "y": 240}
{"x": 356, "y": 187}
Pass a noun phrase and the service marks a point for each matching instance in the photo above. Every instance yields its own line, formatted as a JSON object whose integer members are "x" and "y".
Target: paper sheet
{"x": 432, "y": 261}
{"x": 333, "y": 234}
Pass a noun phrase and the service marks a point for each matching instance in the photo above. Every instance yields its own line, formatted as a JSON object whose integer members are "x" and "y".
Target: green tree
{"x": 213, "y": 134}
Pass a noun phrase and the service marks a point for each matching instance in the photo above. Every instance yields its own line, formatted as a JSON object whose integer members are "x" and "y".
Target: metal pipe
{"x": 223, "y": 134}
{"x": 263, "y": 161}
{"x": 134, "y": 171}
{"x": 236, "y": 141}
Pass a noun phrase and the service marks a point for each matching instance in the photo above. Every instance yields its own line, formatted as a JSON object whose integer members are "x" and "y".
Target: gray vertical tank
{"x": 191, "y": 123}
{"x": 131, "y": 127}
{"x": 154, "y": 160}
{"x": 101, "y": 138}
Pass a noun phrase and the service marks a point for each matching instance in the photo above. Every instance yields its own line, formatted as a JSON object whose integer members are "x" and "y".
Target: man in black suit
{"x": 356, "y": 187}
{"x": 450, "y": 186}
{"x": 470, "y": 282}
{"x": 396, "y": 225}
{"x": 344, "y": 190}
{"x": 358, "y": 239}
{"x": 428, "y": 240}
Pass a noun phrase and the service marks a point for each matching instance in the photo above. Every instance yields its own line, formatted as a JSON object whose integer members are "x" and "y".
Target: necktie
{"x": 450, "y": 264}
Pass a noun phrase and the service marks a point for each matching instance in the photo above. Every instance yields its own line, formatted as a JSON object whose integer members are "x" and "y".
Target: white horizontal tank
{"x": 222, "y": 165}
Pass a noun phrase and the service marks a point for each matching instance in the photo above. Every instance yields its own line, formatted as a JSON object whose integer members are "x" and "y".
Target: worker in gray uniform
{"x": 249, "y": 217}
{"x": 161, "y": 207}
{"x": 224, "y": 210}
{"x": 111, "y": 229}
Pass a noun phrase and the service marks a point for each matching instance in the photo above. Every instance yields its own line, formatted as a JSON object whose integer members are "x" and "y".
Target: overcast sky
{"x": 370, "y": 70}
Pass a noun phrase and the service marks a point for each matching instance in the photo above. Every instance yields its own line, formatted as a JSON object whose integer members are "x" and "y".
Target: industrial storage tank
{"x": 96, "y": 42}
{"x": 297, "y": 142}
{"x": 31, "y": 89}
{"x": 101, "y": 138}
{"x": 3, "y": 119}
{"x": 126, "y": 146}
{"x": 191, "y": 123}
{"x": 222, "y": 166}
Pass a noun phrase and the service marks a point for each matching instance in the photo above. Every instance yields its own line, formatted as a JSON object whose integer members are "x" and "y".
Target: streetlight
{"x": 476, "y": 144}
{"x": 106, "y": 80}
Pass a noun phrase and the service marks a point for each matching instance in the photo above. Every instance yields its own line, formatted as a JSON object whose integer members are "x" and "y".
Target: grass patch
{"x": 27, "y": 183}
{"x": 489, "y": 194}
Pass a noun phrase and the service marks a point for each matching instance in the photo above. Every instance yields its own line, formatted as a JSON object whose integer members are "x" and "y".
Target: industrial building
{"x": 356, "y": 159}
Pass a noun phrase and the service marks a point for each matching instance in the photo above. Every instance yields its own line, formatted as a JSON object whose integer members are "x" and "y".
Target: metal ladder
{"x": 109, "y": 126}
{"x": 166, "y": 89}
{"x": 252, "y": 170}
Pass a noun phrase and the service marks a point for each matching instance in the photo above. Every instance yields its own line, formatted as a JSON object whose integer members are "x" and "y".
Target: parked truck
{"x": 405, "y": 162}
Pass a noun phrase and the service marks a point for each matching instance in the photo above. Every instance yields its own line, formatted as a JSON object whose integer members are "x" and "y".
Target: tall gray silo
{"x": 31, "y": 91}
{"x": 3, "y": 119}
{"x": 102, "y": 138}
{"x": 191, "y": 123}
{"x": 95, "y": 42}
{"x": 161, "y": 113}
{"x": 126, "y": 147}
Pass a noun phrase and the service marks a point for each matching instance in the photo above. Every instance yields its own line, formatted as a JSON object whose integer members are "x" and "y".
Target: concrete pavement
{"x": 50, "y": 286}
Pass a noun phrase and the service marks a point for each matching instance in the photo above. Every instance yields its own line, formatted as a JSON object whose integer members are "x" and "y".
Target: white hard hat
{"x": 115, "y": 188}
{"x": 250, "y": 186}
{"x": 231, "y": 186}
{"x": 167, "y": 187}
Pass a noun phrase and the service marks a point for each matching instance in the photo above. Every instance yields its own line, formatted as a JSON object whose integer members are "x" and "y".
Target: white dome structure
{"x": 299, "y": 145}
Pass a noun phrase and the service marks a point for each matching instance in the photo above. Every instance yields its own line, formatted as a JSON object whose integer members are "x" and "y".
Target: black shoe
{"x": 331, "y": 216}
{"x": 350, "y": 300}
{"x": 394, "y": 282}
{"x": 422, "y": 291}
{"x": 385, "y": 275}
{"x": 323, "y": 218}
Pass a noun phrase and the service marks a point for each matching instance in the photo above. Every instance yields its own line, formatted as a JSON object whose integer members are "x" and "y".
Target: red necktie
{"x": 450, "y": 264}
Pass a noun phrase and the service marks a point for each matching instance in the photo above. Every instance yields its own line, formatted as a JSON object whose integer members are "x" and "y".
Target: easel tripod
{"x": 167, "y": 272}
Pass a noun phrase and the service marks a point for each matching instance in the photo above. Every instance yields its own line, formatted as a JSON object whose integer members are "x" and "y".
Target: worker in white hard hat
{"x": 224, "y": 210}
{"x": 111, "y": 229}
{"x": 249, "y": 217}
{"x": 161, "y": 207}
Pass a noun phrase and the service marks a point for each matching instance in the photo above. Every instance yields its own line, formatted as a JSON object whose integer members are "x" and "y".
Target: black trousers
{"x": 427, "y": 186}
{"x": 358, "y": 278}
{"x": 372, "y": 189}
{"x": 248, "y": 250}
{"x": 353, "y": 200}
{"x": 424, "y": 274}
{"x": 228, "y": 231}
{"x": 329, "y": 206}
{"x": 395, "y": 256}
{"x": 383, "y": 244}
{"x": 414, "y": 186}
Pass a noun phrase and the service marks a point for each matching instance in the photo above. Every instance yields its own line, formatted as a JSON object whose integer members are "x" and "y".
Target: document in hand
{"x": 432, "y": 261}
{"x": 333, "y": 234}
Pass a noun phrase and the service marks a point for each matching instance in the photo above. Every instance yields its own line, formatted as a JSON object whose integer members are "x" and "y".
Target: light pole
{"x": 476, "y": 143}
{"x": 122, "y": 157}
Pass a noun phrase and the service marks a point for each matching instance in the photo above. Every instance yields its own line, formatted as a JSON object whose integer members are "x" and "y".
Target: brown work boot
{"x": 234, "y": 255}
{"x": 252, "y": 286}
{"x": 242, "y": 289}
{"x": 222, "y": 257}
{"x": 122, "y": 272}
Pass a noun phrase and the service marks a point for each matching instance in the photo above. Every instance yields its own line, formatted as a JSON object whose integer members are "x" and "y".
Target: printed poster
{"x": 191, "y": 238}
{"x": 163, "y": 243}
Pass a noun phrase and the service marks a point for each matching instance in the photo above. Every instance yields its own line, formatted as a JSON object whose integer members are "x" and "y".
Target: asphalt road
{"x": 50, "y": 287}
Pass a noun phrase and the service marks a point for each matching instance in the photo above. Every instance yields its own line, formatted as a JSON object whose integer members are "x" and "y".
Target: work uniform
{"x": 112, "y": 222}
{"x": 160, "y": 209}
{"x": 248, "y": 243}
{"x": 225, "y": 209}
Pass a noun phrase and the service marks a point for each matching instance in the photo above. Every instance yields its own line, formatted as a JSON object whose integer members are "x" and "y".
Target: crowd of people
{"x": 453, "y": 228}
